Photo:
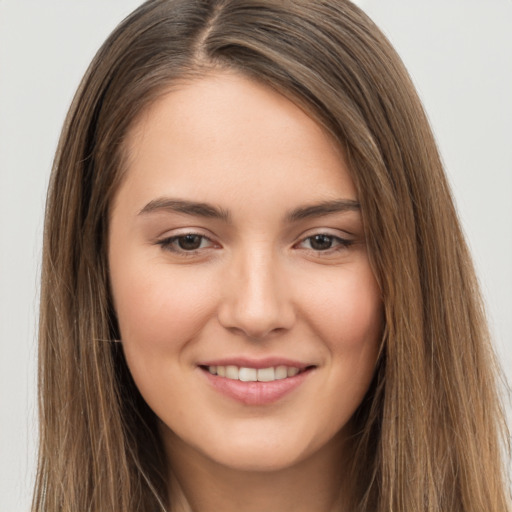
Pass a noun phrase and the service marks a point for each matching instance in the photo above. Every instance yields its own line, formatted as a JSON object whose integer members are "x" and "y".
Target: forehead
{"x": 225, "y": 133}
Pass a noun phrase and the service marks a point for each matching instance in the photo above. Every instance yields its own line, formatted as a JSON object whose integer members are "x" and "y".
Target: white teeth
{"x": 248, "y": 374}
{"x": 281, "y": 372}
{"x": 232, "y": 372}
{"x": 245, "y": 374}
{"x": 266, "y": 374}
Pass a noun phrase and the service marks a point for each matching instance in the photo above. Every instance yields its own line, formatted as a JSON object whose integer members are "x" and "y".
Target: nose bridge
{"x": 258, "y": 298}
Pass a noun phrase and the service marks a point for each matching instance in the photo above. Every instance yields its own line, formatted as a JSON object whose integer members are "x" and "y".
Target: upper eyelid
{"x": 178, "y": 232}
{"x": 322, "y": 233}
{"x": 334, "y": 232}
{"x": 341, "y": 240}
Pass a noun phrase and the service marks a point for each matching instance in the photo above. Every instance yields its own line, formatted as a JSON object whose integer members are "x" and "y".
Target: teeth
{"x": 281, "y": 372}
{"x": 266, "y": 374}
{"x": 252, "y": 374}
{"x": 248, "y": 374}
{"x": 232, "y": 372}
{"x": 291, "y": 371}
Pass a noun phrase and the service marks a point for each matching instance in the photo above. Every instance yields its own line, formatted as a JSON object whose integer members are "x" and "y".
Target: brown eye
{"x": 189, "y": 242}
{"x": 321, "y": 242}
{"x": 186, "y": 243}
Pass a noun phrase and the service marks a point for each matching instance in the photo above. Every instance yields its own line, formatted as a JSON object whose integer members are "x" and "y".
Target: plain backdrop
{"x": 459, "y": 53}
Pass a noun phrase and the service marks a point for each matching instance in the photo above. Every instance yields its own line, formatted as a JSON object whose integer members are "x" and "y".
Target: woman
{"x": 256, "y": 294}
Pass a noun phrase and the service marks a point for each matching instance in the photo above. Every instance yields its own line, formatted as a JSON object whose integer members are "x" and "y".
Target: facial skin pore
{"x": 236, "y": 240}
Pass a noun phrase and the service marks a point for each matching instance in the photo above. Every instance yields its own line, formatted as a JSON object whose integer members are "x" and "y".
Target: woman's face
{"x": 249, "y": 314}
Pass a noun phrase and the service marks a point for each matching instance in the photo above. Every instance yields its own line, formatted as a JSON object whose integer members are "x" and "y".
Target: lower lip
{"x": 256, "y": 393}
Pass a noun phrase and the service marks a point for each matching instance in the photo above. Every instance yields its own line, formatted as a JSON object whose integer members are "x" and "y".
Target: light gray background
{"x": 459, "y": 53}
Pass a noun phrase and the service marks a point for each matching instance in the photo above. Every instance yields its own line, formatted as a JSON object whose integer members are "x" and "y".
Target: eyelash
{"x": 341, "y": 243}
{"x": 171, "y": 244}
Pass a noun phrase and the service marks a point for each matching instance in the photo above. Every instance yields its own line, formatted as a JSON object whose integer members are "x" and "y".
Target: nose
{"x": 257, "y": 298}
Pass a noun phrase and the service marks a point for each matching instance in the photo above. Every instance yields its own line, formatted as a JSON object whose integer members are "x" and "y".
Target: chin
{"x": 257, "y": 458}
{"x": 269, "y": 452}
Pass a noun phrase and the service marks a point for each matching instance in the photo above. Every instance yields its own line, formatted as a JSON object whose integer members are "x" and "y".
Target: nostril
{"x": 255, "y": 325}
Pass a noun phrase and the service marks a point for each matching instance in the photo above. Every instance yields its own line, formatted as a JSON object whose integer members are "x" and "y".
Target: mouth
{"x": 258, "y": 384}
{"x": 248, "y": 374}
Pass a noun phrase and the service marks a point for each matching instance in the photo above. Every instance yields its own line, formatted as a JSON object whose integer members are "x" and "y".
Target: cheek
{"x": 160, "y": 316}
{"x": 349, "y": 320}
{"x": 158, "y": 310}
{"x": 348, "y": 314}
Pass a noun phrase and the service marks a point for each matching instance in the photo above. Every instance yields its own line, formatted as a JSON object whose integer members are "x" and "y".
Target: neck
{"x": 199, "y": 484}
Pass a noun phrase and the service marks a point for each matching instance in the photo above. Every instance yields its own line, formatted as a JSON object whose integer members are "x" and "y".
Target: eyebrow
{"x": 324, "y": 208}
{"x": 210, "y": 211}
{"x": 187, "y": 207}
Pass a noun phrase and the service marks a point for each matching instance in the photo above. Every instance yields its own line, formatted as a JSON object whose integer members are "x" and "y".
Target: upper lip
{"x": 245, "y": 362}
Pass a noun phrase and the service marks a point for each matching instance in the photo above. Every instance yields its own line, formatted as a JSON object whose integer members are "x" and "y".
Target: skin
{"x": 257, "y": 285}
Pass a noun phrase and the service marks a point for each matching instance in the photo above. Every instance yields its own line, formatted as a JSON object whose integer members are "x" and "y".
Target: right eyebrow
{"x": 197, "y": 209}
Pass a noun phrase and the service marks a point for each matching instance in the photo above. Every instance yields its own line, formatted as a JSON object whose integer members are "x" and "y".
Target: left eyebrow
{"x": 324, "y": 208}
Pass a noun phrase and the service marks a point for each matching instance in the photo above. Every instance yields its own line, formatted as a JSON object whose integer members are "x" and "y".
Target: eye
{"x": 188, "y": 242}
{"x": 324, "y": 242}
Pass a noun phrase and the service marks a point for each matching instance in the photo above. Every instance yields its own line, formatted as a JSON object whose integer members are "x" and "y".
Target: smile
{"x": 268, "y": 383}
{"x": 245, "y": 374}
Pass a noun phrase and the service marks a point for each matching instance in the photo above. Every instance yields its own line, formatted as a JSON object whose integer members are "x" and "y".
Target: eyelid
{"x": 333, "y": 232}
{"x": 183, "y": 231}
{"x": 166, "y": 242}
{"x": 343, "y": 242}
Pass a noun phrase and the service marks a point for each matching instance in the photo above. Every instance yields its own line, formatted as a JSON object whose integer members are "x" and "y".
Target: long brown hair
{"x": 429, "y": 434}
